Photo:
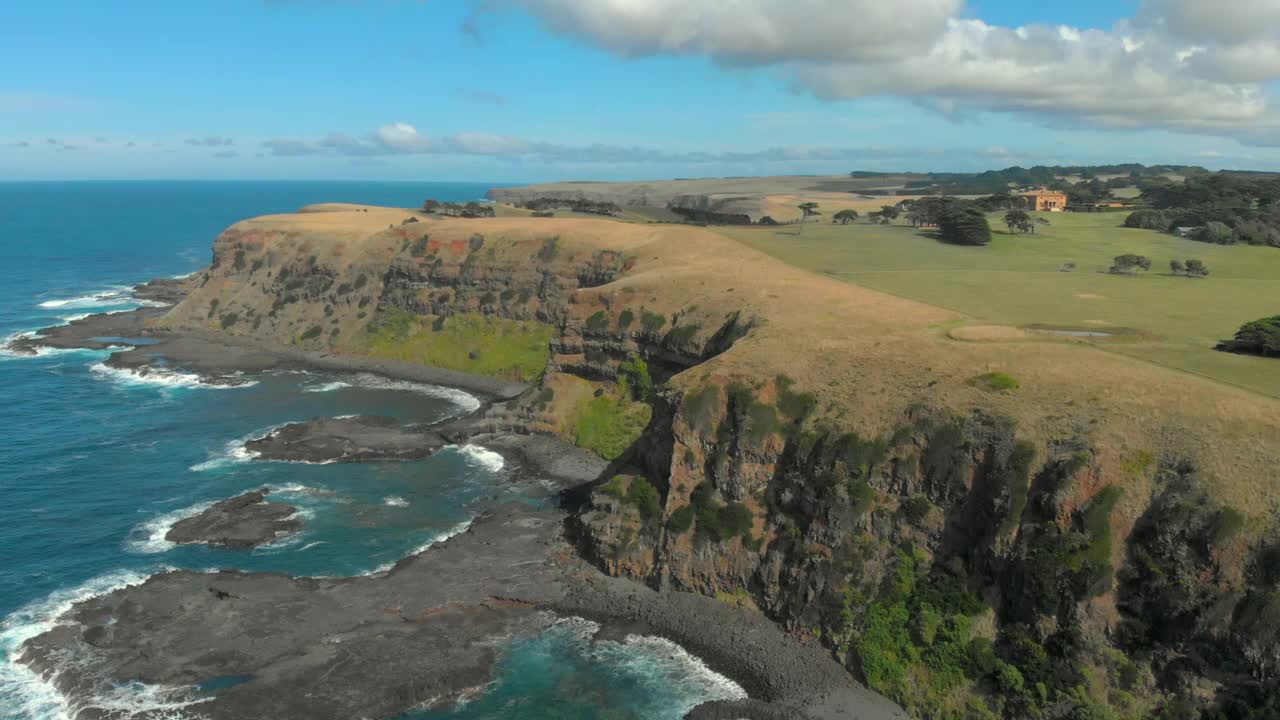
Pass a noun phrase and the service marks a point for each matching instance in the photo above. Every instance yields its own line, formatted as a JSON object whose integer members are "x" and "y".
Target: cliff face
{"x": 815, "y": 451}
{"x": 954, "y": 567}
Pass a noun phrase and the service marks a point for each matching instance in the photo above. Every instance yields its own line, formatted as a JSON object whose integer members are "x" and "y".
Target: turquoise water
{"x": 95, "y": 465}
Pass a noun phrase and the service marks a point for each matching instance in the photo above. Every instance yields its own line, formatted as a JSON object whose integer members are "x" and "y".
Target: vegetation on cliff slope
{"x": 509, "y": 349}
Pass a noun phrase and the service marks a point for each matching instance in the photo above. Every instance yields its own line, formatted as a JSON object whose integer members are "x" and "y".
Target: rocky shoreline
{"x": 354, "y": 647}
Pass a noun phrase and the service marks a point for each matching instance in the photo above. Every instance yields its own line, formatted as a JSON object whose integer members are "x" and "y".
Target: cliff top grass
{"x": 867, "y": 355}
{"x": 1017, "y": 282}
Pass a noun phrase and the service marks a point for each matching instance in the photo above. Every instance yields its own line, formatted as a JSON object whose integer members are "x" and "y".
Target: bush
{"x": 312, "y": 333}
{"x": 995, "y": 381}
{"x": 1130, "y": 264}
{"x": 650, "y": 322}
{"x": 794, "y": 405}
{"x": 1260, "y": 337}
{"x": 699, "y": 407}
{"x": 1149, "y": 220}
{"x": 681, "y": 520}
{"x": 1216, "y": 233}
{"x": 635, "y": 373}
{"x": 915, "y": 508}
{"x": 644, "y": 497}
{"x": 625, "y": 318}
{"x": 598, "y": 322}
{"x": 550, "y": 249}
{"x": 1196, "y": 268}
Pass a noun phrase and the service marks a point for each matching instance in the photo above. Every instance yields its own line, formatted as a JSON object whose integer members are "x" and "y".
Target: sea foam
{"x": 33, "y": 697}
{"x": 118, "y": 295}
{"x": 464, "y": 400}
{"x": 479, "y": 455}
{"x": 148, "y": 538}
{"x": 161, "y": 377}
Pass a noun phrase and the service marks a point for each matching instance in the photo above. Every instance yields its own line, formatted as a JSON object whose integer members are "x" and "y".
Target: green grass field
{"x": 1016, "y": 281}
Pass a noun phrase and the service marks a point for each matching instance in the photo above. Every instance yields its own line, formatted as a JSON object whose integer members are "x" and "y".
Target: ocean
{"x": 96, "y": 465}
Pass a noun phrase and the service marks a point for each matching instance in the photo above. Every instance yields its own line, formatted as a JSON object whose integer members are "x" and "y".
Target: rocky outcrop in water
{"x": 239, "y": 523}
{"x": 365, "y": 438}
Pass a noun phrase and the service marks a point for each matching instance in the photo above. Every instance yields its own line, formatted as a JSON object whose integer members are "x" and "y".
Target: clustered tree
{"x": 844, "y": 217}
{"x": 593, "y": 207}
{"x": 1019, "y": 221}
{"x": 965, "y": 226}
{"x": 1130, "y": 264}
{"x": 1224, "y": 208}
{"x": 1260, "y": 337}
{"x": 469, "y": 210}
{"x": 809, "y": 208}
{"x": 1191, "y": 268}
{"x": 430, "y": 205}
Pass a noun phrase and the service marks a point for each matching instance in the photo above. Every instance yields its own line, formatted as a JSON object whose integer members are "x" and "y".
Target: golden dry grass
{"x": 869, "y": 355}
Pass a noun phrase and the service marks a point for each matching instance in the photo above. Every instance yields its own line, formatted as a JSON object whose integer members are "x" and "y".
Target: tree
{"x": 1130, "y": 264}
{"x": 1176, "y": 267}
{"x": 844, "y": 217}
{"x": 965, "y": 226}
{"x": 809, "y": 208}
{"x": 476, "y": 210}
{"x": 430, "y": 205}
{"x": 1260, "y": 337}
{"x": 1217, "y": 233}
{"x": 1196, "y": 268}
{"x": 889, "y": 212}
{"x": 1018, "y": 221}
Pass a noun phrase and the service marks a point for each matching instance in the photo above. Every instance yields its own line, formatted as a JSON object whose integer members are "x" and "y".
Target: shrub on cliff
{"x": 681, "y": 520}
{"x": 651, "y": 322}
{"x": 598, "y": 322}
{"x": 644, "y": 497}
{"x": 635, "y": 374}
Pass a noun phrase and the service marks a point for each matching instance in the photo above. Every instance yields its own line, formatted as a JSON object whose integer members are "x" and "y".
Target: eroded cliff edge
{"x": 1100, "y": 540}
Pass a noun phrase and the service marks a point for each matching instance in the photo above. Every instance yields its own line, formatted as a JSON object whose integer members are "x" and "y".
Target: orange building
{"x": 1050, "y": 200}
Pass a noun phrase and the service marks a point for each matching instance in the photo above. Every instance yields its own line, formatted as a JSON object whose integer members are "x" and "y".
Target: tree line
{"x": 467, "y": 210}
{"x": 1223, "y": 208}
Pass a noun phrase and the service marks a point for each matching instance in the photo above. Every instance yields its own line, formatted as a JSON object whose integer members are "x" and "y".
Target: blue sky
{"x": 525, "y": 90}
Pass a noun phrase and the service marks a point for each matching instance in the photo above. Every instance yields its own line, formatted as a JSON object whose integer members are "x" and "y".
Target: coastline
{"x": 541, "y": 572}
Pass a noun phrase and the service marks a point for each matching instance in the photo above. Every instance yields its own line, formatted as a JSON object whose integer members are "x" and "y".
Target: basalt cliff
{"x": 975, "y": 529}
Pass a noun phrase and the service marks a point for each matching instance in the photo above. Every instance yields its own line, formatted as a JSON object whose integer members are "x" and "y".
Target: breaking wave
{"x": 163, "y": 378}
{"x": 148, "y": 538}
{"x": 34, "y": 697}
{"x": 482, "y": 456}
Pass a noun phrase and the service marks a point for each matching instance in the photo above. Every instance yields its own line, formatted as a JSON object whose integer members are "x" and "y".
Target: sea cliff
{"x": 1095, "y": 539}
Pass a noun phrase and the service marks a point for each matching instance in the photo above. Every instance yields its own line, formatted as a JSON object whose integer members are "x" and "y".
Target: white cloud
{"x": 753, "y": 31}
{"x": 1180, "y": 64}
{"x": 401, "y": 137}
{"x": 1228, "y": 22}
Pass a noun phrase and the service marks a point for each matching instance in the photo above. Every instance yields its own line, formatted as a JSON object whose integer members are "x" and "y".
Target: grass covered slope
{"x": 510, "y": 349}
{"x": 1017, "y": 280}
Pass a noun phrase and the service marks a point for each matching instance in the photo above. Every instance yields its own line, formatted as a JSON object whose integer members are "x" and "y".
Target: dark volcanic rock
{"x": 365, "y": 438}
{"x": 169, "y": 291}
{"x": 241, "y": 522}
{"x": 96, "y": 332}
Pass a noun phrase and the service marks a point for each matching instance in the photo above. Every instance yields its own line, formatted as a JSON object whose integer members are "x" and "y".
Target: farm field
{"x": 1017, "y": 281}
